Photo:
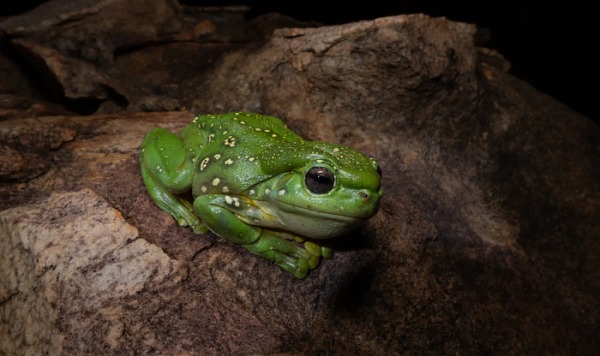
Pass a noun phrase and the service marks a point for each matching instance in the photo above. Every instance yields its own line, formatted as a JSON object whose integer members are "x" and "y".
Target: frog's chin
{"x": 314, "y": 223}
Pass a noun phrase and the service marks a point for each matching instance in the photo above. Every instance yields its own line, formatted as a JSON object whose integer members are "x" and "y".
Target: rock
{"x": 72, "y": 45}
{"x": 486, "y": 241}
{"x": 19, "y": 96}
{"x": 96, "y": 52}
{"x": 67, "y": 264}
{"x": 25, "y": 149}
{"x": 395, "y": 68}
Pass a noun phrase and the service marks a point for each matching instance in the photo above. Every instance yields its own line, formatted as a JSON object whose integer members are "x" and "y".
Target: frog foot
{"x": 190, "y": 219}
{"x": 292, "y": 257}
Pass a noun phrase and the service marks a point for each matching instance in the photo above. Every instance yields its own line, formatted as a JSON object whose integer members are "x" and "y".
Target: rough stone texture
{"x": 72, "y": 44}
{"x": 486, "y": 242}
{"x": 65, "y": 261}
{"x": 130, "y": 54}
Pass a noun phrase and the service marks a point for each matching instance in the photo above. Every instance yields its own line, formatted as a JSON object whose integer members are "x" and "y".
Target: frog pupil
{"x": 319, "y": 180}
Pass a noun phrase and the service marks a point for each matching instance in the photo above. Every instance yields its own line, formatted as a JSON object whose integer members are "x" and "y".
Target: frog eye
{"x": 319, "y": 180}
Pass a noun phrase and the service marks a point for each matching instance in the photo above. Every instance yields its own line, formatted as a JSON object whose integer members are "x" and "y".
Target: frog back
{"x": 226, "y": 150}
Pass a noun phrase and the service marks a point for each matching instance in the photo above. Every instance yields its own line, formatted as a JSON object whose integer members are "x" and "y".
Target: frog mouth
{"x": 320, "y": 213}
{"x": 315, "y": 223}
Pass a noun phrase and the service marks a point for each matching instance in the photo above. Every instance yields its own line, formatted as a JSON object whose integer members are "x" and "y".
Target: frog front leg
{"x": 218, "y": 212}
{"x": 167, "y": 172}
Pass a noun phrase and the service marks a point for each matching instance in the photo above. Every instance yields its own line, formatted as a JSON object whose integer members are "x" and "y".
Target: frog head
{"x": 319, "y": 190}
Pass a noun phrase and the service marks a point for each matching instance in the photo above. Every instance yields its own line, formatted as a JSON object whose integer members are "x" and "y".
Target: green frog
{"x": 256, "y": 183}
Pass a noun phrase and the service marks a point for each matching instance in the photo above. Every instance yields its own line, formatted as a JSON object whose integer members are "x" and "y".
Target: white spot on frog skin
{"x": 225, "y": 189}
{"x": 203, "y": 189}
{"x": 224, "y": 132}
{"x": 281, "y": 192}
{"x": 267, "y": 191}
{"x": 319, "y": 161}
{"x": 216, "y": 181}
{"x": 204, "y": 163}
{"x": 228, "y": 199}
{"x": 273, "y": 135}
{"x": 230, "y": 141}
{"x": 217, "y": 156}
{"x": 336, "y": 150}
{"x": 257, "y": 129}
{"x": 236, "y": 202}
{"x": 229, "y": 161}
{"x": 267, "y": 130}
{"x": 210, "y": 137}
{"x": 242, "y": 122}
{"x": 251, "y": 192}
{"x": 250, "y": 159}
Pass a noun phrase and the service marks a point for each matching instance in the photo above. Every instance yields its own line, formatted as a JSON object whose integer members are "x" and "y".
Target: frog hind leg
{"x": 218, "y": 214}
{"x": 167, "y": 172}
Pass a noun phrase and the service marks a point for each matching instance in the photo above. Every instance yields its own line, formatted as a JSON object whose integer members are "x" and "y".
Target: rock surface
{"x": 69, "y": 258}
{"x": 486, "y": 241}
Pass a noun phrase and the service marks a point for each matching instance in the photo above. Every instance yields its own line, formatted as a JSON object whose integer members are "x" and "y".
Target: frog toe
{"x": 299, "y": 267}
{"x": 312, "y": 248}
{"x": 326, "y": 252}
{"x": 199, "y": 228}
{"x": 300, "y": 273}
{"x": 317, "y": 250}
{"x": 313, "y": 262}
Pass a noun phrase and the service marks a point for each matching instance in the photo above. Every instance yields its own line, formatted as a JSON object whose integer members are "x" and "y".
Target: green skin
{"x": 259, "y": 185}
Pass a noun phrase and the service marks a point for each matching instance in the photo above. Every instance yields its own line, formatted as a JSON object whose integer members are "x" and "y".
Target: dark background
{"x": 549, "y": 44}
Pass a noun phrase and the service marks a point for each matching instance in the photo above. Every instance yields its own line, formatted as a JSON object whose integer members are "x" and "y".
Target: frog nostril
{"x": 363, "y": 195}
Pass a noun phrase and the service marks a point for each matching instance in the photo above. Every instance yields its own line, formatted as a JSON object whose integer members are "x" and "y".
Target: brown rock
{"x": 101, "y": 52}
{"x": 67, "y": 264}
